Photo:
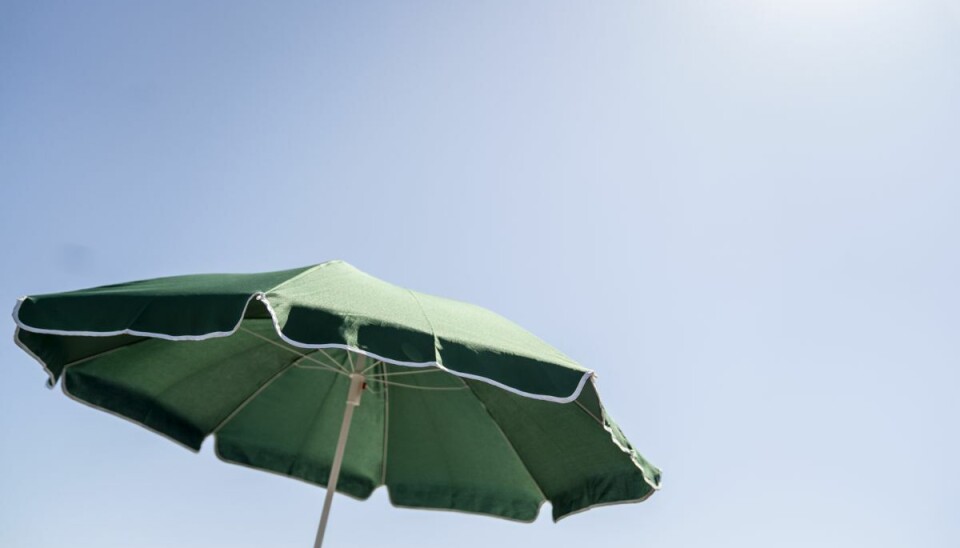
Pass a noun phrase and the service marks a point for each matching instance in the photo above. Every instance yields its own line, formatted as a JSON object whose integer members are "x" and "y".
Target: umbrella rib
{"x": 252, "y": 396}
{"x": 373, "y": 365}
{"x": 291, "y": 350}
{"x": 99, "y": 355}
{"x": 78, "y": 361}
{"x": 397, "y": 373}
{"x": 386, "y": 427}
{"x": 329, "y": 357}
{"x": 588, "y": 412}
{"x": 416, "y": 387}
{"x": 311, "y": 429}
{"x": 321, "y": 367}
{"x": 506, "y": 439}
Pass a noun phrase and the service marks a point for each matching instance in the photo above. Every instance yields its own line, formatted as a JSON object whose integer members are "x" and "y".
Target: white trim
{"x": 52, "y": 381}
{"x": 610, "y": 503}
{"x": 632, "y": 453}
{"x": 276, "y": 324}
{"x": 205, "y": 336}
{"x": 466, "y": 512}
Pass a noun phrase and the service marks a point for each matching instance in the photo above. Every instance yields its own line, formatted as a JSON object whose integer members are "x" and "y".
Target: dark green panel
{"x": 445, "y": 452}
{"x": 178, "y": 306}
{"x": 58, "y": 351}
{"x": 292, "y": 428}
{"x": 182, "y": 389}
{"x": 569, "y": 453}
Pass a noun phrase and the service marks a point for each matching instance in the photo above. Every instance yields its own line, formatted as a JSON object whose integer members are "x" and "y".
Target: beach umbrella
{"x": 332, "y": 376}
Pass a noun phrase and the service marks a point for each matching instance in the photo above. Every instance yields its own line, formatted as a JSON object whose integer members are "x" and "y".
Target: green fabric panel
{"x": 590, "y": 399}
{"x": 335, "y": 302}
{"x": 59, "y": 351}
{"x": 343, "y": 300}
{"x": 650, "y": 472}
{"x": 182, "y": 389}
{"x": 292, "y": 428}
{"x": 450, "y": 444}
{"x": 568, "y": 452}
{"x": 478, "y": 328}
{"x": 445, "y": 451}
{"x": 180, "y": 305}
{"x": 331, "y": 303}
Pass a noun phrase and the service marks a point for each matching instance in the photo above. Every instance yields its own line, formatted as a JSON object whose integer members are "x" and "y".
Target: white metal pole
{"x": 353, "y": 400}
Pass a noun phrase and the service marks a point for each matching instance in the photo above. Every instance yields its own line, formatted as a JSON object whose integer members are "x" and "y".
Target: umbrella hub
{"x": 357, "y": 383}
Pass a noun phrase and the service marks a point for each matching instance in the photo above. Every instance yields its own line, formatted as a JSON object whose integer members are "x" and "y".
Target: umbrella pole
{"x": 353, "y": 400}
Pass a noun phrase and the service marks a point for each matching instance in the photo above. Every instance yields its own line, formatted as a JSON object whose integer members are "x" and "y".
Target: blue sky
{"x": 743, "y": 215}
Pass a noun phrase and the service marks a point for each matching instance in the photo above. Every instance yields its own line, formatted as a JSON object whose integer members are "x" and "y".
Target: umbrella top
{"x": 329, "y": 305}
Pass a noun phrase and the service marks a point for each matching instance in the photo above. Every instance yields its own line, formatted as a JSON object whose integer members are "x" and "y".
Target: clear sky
{"x": 745, "y": 215}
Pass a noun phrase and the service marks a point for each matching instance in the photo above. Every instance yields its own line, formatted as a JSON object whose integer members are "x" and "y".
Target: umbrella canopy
{"x": 461, "y": 409}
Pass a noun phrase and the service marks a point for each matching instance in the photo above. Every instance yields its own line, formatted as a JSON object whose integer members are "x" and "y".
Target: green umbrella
{"x": 447, "y": 404}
